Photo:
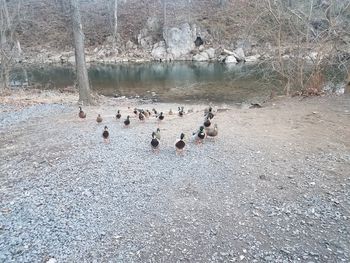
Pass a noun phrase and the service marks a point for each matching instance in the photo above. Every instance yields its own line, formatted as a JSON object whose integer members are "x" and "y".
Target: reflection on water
{"x": 167, "y": 82}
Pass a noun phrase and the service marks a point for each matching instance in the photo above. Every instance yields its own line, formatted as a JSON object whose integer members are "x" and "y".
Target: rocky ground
{"x": 273, "y": 187}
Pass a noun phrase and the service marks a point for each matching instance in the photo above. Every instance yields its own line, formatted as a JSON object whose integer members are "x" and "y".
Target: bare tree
{"x": 164, "y": 14}
{"x": 302, "y": 53}
{"x": 115, "y": 24}
{"x": 80, "y": 63}
{"x": 10, "y": 47}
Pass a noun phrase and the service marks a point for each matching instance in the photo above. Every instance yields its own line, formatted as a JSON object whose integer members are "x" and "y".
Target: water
{"x": 165, "y": 82}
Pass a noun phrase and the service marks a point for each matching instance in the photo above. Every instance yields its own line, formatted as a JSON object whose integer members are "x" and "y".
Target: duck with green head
{"x": 105, "y": 134}
{"x": 127, "y": 121}
{"x": 200, "y": 135}
{"x": 180, "y": 144}
{"x": 118, "y": 116}
{"x": 82, "y": 114}
{"x": 154, "y": 142}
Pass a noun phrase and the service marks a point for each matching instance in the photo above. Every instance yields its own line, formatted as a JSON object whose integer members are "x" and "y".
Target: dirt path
{"x": 274, "y": 187}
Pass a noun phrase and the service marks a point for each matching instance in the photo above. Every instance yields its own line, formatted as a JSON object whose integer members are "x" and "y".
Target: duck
{"x": 127, "y": 121}
{"x": 145, "y": 113}
{"x": 149, "y": 113}
{"x": 118, "y": 116}
{"x": 180, "y": 144}
{"x": 181, "y": 111}
{"x": 99, "y": 118}
{"x": 207, "y": 123}
{"x": 170, "y": 112}
{"x": 141, "y": 116}
{"x": 212, "y": 132}
{"x": 200, "y": 135}
{"x": 105, "y": 134}
{"x": 135, "y": 111}
{"x": 158, "y": 134}
{"x": 82, "y": 114}
{"x": 209, "y": 113}
{"x": 155, "y": 111}
{"x": 154, "y": 142}
{"x": 161, "y": 116}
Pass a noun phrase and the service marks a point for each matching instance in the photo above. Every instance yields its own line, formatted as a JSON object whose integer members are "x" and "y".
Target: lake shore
{"x": 274, "y": 186}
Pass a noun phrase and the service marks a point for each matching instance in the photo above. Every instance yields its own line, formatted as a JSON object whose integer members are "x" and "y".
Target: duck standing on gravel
{"x": 208, "y": 113}
{"x": 199, "y": 135}
{"x": 135, "y": 111}
{"x": 141, "y": 117}
{"x": 212, "y": 132}
{"x": 181, "y": 111}
{"x": 145, "y": 113}
{"x": 154, "y": 142}
{"x": 180, "y": 144}
{"x": 82, "y": 114}
{"x": 161, "y": 116}
{"x": 105, "y": 134}
{"x": 207, "y": 123}
{"x": 99, "y": 118}
{"x": 154, "y": 111}
{"x": 118, "y": 116}
{"x": 127, "y": 121}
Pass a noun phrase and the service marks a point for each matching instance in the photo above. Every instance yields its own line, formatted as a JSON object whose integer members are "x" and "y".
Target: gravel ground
{"x": 273, "y": 187}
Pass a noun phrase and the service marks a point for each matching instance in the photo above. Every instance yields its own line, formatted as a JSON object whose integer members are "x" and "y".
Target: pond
{"x": 164, "y": 82}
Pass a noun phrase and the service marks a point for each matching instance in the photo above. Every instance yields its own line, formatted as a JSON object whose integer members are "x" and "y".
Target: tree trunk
{"x": 115, "y": 26}
{"x": 164, "y": 14}
{"x": 222, "y": 3}
{"x": 347, "y": 87}
{"x": 80, "y": 64}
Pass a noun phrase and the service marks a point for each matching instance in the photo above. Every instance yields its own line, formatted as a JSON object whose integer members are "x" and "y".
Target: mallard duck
{"x": 200, "y": 135}
{"x": 207, "y": 123}
{"x": 209, "y": 113}
{"x": 105, "y": 134}
{"x": 82, "y": 114}
{"x": 149, "y": 113}
{"x": 141, "y": 116}
{"x": 181, "y": 111}
{"x": 135, "y": 111}
{"x": 127, "y": 121}
{"x": 158, "y": 134}
{"x": 155, "y": 111}
{"x": 161, "y": 116}
{"x": 180, "y": 144}
{"x": 213, "y": 132}
{"x": 118, "y": 116}
{"x": 145, "y": 113}
{"x": 99, "y": 118}
{"x": 171, "y": 112}
{"x": 154, "y": 142}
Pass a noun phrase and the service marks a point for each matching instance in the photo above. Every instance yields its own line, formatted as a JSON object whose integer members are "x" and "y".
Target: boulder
{"x": 239, "y": 54}
{"x": 252, "y": 59}
{"x": 153, "y": 24}
{"x": 203, "y": 56}
{"x": 130, "y": 45}
{"x": 146, "y": 42}
{"x": 228, "y": 52}
{"x": 180, "y": 41}
{"x": 159, "y": 51}
{"x": 210, "y": 52}
{"x": 231, "y": 59}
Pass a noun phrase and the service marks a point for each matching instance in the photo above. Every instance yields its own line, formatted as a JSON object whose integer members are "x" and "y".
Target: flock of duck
{"x": 204, "y": 131}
